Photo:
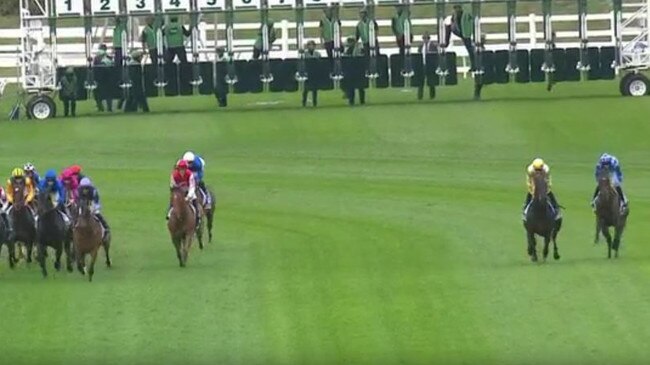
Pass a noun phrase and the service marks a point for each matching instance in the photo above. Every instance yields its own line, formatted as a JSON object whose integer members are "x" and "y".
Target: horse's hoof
{"x": 556, "y": 256}
{"x": 109, "y": 264}
{"x": 533, "y": 258}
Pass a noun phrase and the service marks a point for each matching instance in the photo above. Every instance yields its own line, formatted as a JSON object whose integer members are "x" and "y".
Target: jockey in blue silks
{"x": 196, "y": 164}
{"x": 89, "y": 192}
{"x": 55, "y": 188}
{"x": 608, "y": 161}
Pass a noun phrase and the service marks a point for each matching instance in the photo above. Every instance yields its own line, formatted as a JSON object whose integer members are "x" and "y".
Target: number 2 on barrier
{"x": 175, "y": 5}
{"x": 140, "y": 6}
{"x": 69, "y": 7}
{"x": 210, "y": 4}
{"x": 104, "y": 6}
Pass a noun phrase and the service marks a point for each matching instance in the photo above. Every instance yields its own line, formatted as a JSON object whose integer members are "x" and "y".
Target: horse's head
{"x": 19, "y": 193}
{"x": 604, "y": 178}
{"x": 540, "y": 186}
{"x": 45, "y": 200}
{"x": 179, "y": 192}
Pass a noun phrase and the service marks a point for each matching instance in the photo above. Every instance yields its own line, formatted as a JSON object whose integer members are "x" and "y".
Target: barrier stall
{"x": 168, "y": 69}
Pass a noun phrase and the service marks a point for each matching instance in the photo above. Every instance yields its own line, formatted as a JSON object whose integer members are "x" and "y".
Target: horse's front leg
{"x": 597, "y": 239}
{"x": 40, "y": 256}
{"x": 547, "y": 241}
{"x": 608, "y": 237}
{"x": 532, "y": 250}
{"x": 617, "y": 239}
{"x": 57, "y": 257}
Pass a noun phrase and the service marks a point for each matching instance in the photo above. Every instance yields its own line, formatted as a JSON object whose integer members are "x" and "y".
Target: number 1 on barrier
{"x": 175, "y": 5}
{"x": 140, "y": 6}
{"x": 69, "y": 7}
{"x": 105, "y": 6}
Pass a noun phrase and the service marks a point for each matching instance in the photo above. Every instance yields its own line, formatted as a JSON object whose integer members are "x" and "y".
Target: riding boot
{"x": 619, "y": 190}
{"x": 169, "y": 211}
{"x": 107, "y": 229}
{"x": 196, "y": 209}
{"x": 529, "y": 197}
{"x": 555, "y": 205}
{"x": 205, "y": 193}
{"x": 593, "y": 199}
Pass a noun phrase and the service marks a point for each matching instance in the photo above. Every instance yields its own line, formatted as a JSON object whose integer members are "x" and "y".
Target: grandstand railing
{"x": 600, "y": 33}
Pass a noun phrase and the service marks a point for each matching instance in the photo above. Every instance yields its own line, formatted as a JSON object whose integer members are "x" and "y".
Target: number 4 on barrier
{"x": 105, "y": 6}
{"x": 175, "y": 5}
{"x": 69, "y": 7}
{"x": 140, "y": 6}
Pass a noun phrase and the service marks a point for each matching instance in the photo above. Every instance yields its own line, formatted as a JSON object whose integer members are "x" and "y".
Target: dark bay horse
{"x": 540, "y": 219}
{"x": 22, "y": 220}
{"x": 5, "y": 239}
{"x": 87, "y": 235}
{"x": 181, "y": 224}
{"x": 52, "y": 231}
{"x": 208, "y": 212}
{"x": 609, "y": 213}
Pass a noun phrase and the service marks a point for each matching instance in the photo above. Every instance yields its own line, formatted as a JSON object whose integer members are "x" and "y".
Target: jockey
{"x": 55, "y": 188}
{"x": 16, "y": 175}
{"x": 30, "y": 172}
{"x": 538, "y": 165}
{"x": 88, "y": 191}
{"x": 182, "y": 176}
{"x": 196, "y": 164}
{"x": 611, "y": 162}
{"x": 70, "y": 181}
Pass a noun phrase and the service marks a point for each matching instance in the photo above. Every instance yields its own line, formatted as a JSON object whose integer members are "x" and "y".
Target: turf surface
{"x": 383, "y": 234}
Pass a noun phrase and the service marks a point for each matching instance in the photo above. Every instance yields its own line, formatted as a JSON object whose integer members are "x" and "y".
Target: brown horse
{"x": 23, "y": 221}
{"x": 181, "y": 224}
{"x": 87, "y": 236}
{"x": 609, "y": 213}
{"x": 540, "y": 219}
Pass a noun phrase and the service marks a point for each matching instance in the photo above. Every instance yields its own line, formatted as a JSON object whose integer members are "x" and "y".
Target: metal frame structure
{"x": 38, "y": 38}
{"x": 38, "y": 60}
{"x": 633, "y": 35}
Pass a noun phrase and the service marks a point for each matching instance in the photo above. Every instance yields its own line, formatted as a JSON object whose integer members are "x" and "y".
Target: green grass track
{"x": 383, "y": 234}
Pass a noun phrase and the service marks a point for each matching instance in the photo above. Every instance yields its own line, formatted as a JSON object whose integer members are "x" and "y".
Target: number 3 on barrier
{"x": 69, "y": 7}
{"x": 210, "y": 4}
{"x": 140, "y": 6}
{"x": 105, "y": 6}
{"x": 175, "y": 5}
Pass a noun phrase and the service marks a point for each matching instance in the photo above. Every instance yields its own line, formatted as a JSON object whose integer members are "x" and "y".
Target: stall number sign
{"x": 140, "y": 6}
{"x": 175, "y": 5}
{"x": 315, "y": 2}
{"x": 69, "y": 7}
{"x": 105, "y": 6}
{"x": 282, "y": 3}
{"x": 238, "y": 4}
{"x": 210, "y": 4}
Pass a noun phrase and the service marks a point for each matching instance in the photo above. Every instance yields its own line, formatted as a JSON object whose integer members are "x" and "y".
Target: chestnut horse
{"x": 181, "y": 224}
{"x": 87, "y": 236}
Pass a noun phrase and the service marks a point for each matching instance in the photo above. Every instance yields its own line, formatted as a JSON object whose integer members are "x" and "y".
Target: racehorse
{"x": 87, "y": 236}
{"x": 51, "y": 231}
{"x": 609, "y": 213}
{"x": 181, "y": 224}
{"x": 23, "y": 221}
{"x": 208, "y": 212}
{"x": 4, "y": 239}
{"x": 540, "y": 219}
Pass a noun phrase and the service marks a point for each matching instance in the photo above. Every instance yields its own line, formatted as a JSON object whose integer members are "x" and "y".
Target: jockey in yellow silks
{"x": 538, "y": 165}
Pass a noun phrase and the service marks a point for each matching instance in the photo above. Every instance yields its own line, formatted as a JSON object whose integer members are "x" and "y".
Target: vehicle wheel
{"x": 41, "y": 107}
{"x": 623, "y": 84}
{"x": 637, "y": 85}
